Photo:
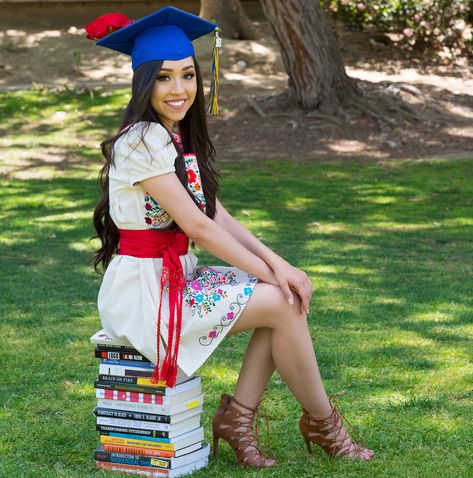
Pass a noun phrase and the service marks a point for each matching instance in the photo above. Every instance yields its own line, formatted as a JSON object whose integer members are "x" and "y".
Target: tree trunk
{"x": 311, "y": 55}
{"x": 230, "y": 17}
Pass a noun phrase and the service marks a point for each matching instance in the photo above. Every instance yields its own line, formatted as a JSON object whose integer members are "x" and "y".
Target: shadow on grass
{"x": 391, "y": 319}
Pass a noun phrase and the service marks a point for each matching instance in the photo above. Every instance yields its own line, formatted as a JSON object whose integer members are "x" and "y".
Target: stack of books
{"x": 145, "y": 429}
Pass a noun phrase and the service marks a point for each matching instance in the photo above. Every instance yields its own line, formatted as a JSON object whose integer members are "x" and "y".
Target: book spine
{"x": 133, "y": 470}
{"x": 140, "y": 443}
{"x": 127, "y": 363}
{"x": 140, "y": 451}
{"x": 121, "y": 379}
{"x": 125, "y": 370}
{"x": 128, "y": 415}
{"x": 131, "y": 396}
{"x": 131, "y": 459}
{"x": 118, "y": 422}
{"x": 130, "y": 404}
{"x": 107, "y": 429}
{"x": 115, "y": 355}
{"x": 116, "y": 348}
{"x": 129, "y": 387}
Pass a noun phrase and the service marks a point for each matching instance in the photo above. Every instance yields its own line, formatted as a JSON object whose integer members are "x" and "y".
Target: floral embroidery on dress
{"x": 154, "y": 214}
{"x": 194, "y": 180}
{"x": 235, "y": 308}
{"x": 204, "y": 289}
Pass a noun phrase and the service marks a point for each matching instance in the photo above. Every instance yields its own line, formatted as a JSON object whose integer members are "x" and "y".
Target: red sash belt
{"x": 169, "y": 245}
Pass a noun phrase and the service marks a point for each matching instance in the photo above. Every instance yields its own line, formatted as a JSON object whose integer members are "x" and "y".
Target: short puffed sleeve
{"x": 146, "y": 150}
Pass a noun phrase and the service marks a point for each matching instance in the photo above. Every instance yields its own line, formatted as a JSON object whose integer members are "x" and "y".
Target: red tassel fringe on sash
{"x": 169, "y": 245}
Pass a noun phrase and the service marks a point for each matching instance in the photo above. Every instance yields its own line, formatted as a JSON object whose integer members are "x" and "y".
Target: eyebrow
{"x": 185, "y": 68}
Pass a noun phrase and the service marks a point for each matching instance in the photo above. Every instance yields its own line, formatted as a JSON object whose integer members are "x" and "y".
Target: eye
{"x": 189, "y": 76}
{"x": 162, "y": 78}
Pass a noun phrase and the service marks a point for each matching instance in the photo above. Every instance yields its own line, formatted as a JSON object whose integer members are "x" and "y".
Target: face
{"x": 174, "y": 90}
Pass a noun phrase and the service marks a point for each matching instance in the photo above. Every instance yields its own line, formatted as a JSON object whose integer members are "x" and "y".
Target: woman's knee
{"x": 268, "y": 307}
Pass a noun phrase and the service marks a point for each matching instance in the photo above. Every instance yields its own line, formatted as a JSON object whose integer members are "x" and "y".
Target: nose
{"x": 178, "y": 86}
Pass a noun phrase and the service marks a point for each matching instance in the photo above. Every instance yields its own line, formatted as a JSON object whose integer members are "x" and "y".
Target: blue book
{"x": 128, "y": 363}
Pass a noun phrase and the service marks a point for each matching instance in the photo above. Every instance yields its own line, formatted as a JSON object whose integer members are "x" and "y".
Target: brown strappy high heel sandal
{"x": 236, "y": 427}
{"x": 330, "y": 434}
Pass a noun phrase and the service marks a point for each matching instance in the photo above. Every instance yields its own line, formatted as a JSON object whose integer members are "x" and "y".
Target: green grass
{"x": 388, "y": 246}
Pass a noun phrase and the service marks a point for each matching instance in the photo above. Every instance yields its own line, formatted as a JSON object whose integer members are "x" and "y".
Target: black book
{"x": 122, "y": 379}
{"x": 120, "y": 355}
{"x": 129, "y": 415}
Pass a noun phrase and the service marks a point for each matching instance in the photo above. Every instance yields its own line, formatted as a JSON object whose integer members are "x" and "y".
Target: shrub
{"x": 440, "y": 24}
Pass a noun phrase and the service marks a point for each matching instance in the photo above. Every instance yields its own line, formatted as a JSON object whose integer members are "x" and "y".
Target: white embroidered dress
{"x": 128, "y": 300}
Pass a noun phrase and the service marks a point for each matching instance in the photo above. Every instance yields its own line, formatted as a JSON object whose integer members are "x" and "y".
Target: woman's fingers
{"x": 287, "y": 292}
{"x": 304, "y": 297}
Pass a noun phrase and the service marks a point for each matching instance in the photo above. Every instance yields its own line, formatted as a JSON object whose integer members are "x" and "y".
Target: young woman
{"x": 159, "y": 190}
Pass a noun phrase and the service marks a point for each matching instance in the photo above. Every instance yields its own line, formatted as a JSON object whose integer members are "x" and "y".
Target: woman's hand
{"x": 290, "y": 279}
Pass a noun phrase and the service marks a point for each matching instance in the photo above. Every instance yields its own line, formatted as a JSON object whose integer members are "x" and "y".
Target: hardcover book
{"x": 114, "y": 355}
{"x": 181, "y": 427}
{"x": 144, "y": 385}
{"x": 101, "y": 337}
{"x": 128, "y": 363}
{"x": 153, "y": 472}
{"x": 170, "y": 444}
{"x": 142, "y": 407}
{"x": 151, "y": 451}
{"x": 177, "y": 430}
{"x": 147, "y": 417}
{"x": 144, "y": 460}
{"x": 122, "y": 395}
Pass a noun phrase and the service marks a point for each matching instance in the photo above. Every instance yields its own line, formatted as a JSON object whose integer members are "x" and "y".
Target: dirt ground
{"x": 56, "y": 52}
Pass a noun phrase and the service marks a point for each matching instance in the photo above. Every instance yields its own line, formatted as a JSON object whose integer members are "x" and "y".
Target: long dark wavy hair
{"x": 194, "y": 138}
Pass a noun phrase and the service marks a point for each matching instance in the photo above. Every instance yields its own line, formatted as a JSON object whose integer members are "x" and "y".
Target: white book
{"x": 193, "y": 383}
{"x": 123, "y": 370}
{"x": 164, "y": 409}
{"x": 122, "y": 395}
{"x": 184, "y": 460}
{"x": 154, "y": 472}
{"x": 101, "y": 337}
{"x": 173, "y": 430}
{"x": 137, "y": 369}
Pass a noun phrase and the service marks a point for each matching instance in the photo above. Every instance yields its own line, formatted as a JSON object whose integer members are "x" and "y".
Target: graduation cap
{"x": 163, "y": 35}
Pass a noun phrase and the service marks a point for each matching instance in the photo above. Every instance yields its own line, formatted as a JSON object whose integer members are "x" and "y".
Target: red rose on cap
{"x": 106, "y": 24}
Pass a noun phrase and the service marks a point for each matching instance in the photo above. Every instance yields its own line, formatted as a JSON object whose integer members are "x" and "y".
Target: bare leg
{"x": 285, "y": 329}
{"x": 257, "y": 368}
{"x": 291, "y": 349}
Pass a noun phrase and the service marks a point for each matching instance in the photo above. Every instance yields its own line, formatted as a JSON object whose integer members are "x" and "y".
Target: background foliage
{"x": 439, "y": 24}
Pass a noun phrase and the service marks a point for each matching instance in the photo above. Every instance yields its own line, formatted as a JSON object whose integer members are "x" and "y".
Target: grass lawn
{"x": 388, "y": 246}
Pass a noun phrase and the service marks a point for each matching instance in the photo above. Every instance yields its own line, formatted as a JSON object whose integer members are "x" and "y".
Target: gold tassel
{"x": 213, "y": 103}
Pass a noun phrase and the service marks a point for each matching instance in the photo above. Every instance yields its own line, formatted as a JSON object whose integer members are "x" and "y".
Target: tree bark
{"x": 230, "y": 17}
{"x": 311, "y": 55}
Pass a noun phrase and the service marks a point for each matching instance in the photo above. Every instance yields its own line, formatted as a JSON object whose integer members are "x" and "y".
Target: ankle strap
{"x": 256, "y": 411}
{"x": 233, "y": 399}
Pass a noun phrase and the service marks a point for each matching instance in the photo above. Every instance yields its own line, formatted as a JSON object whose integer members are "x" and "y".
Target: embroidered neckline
{"x": 155, "y": 215}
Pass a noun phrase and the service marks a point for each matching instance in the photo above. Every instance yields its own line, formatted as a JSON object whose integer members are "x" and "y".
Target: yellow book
{"x": 171, "y": 444}
{"x": 139, "y": 443}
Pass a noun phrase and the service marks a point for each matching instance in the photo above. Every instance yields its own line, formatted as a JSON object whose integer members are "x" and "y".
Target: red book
{"x": 130, "y": 396}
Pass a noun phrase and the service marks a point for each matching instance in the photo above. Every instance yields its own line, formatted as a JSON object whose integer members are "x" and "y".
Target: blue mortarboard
{"x": 164, "y": 35}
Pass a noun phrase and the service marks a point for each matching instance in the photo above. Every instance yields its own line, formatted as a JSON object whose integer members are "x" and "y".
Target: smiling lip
{"x": 176, "y": 104}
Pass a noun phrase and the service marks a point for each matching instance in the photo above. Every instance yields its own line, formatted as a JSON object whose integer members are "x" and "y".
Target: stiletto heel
{"x": 330, "y": 434}
{"x": 236, "y": 428}
{"x": 309, "y": 445}
{"x": 215, "y": 447}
